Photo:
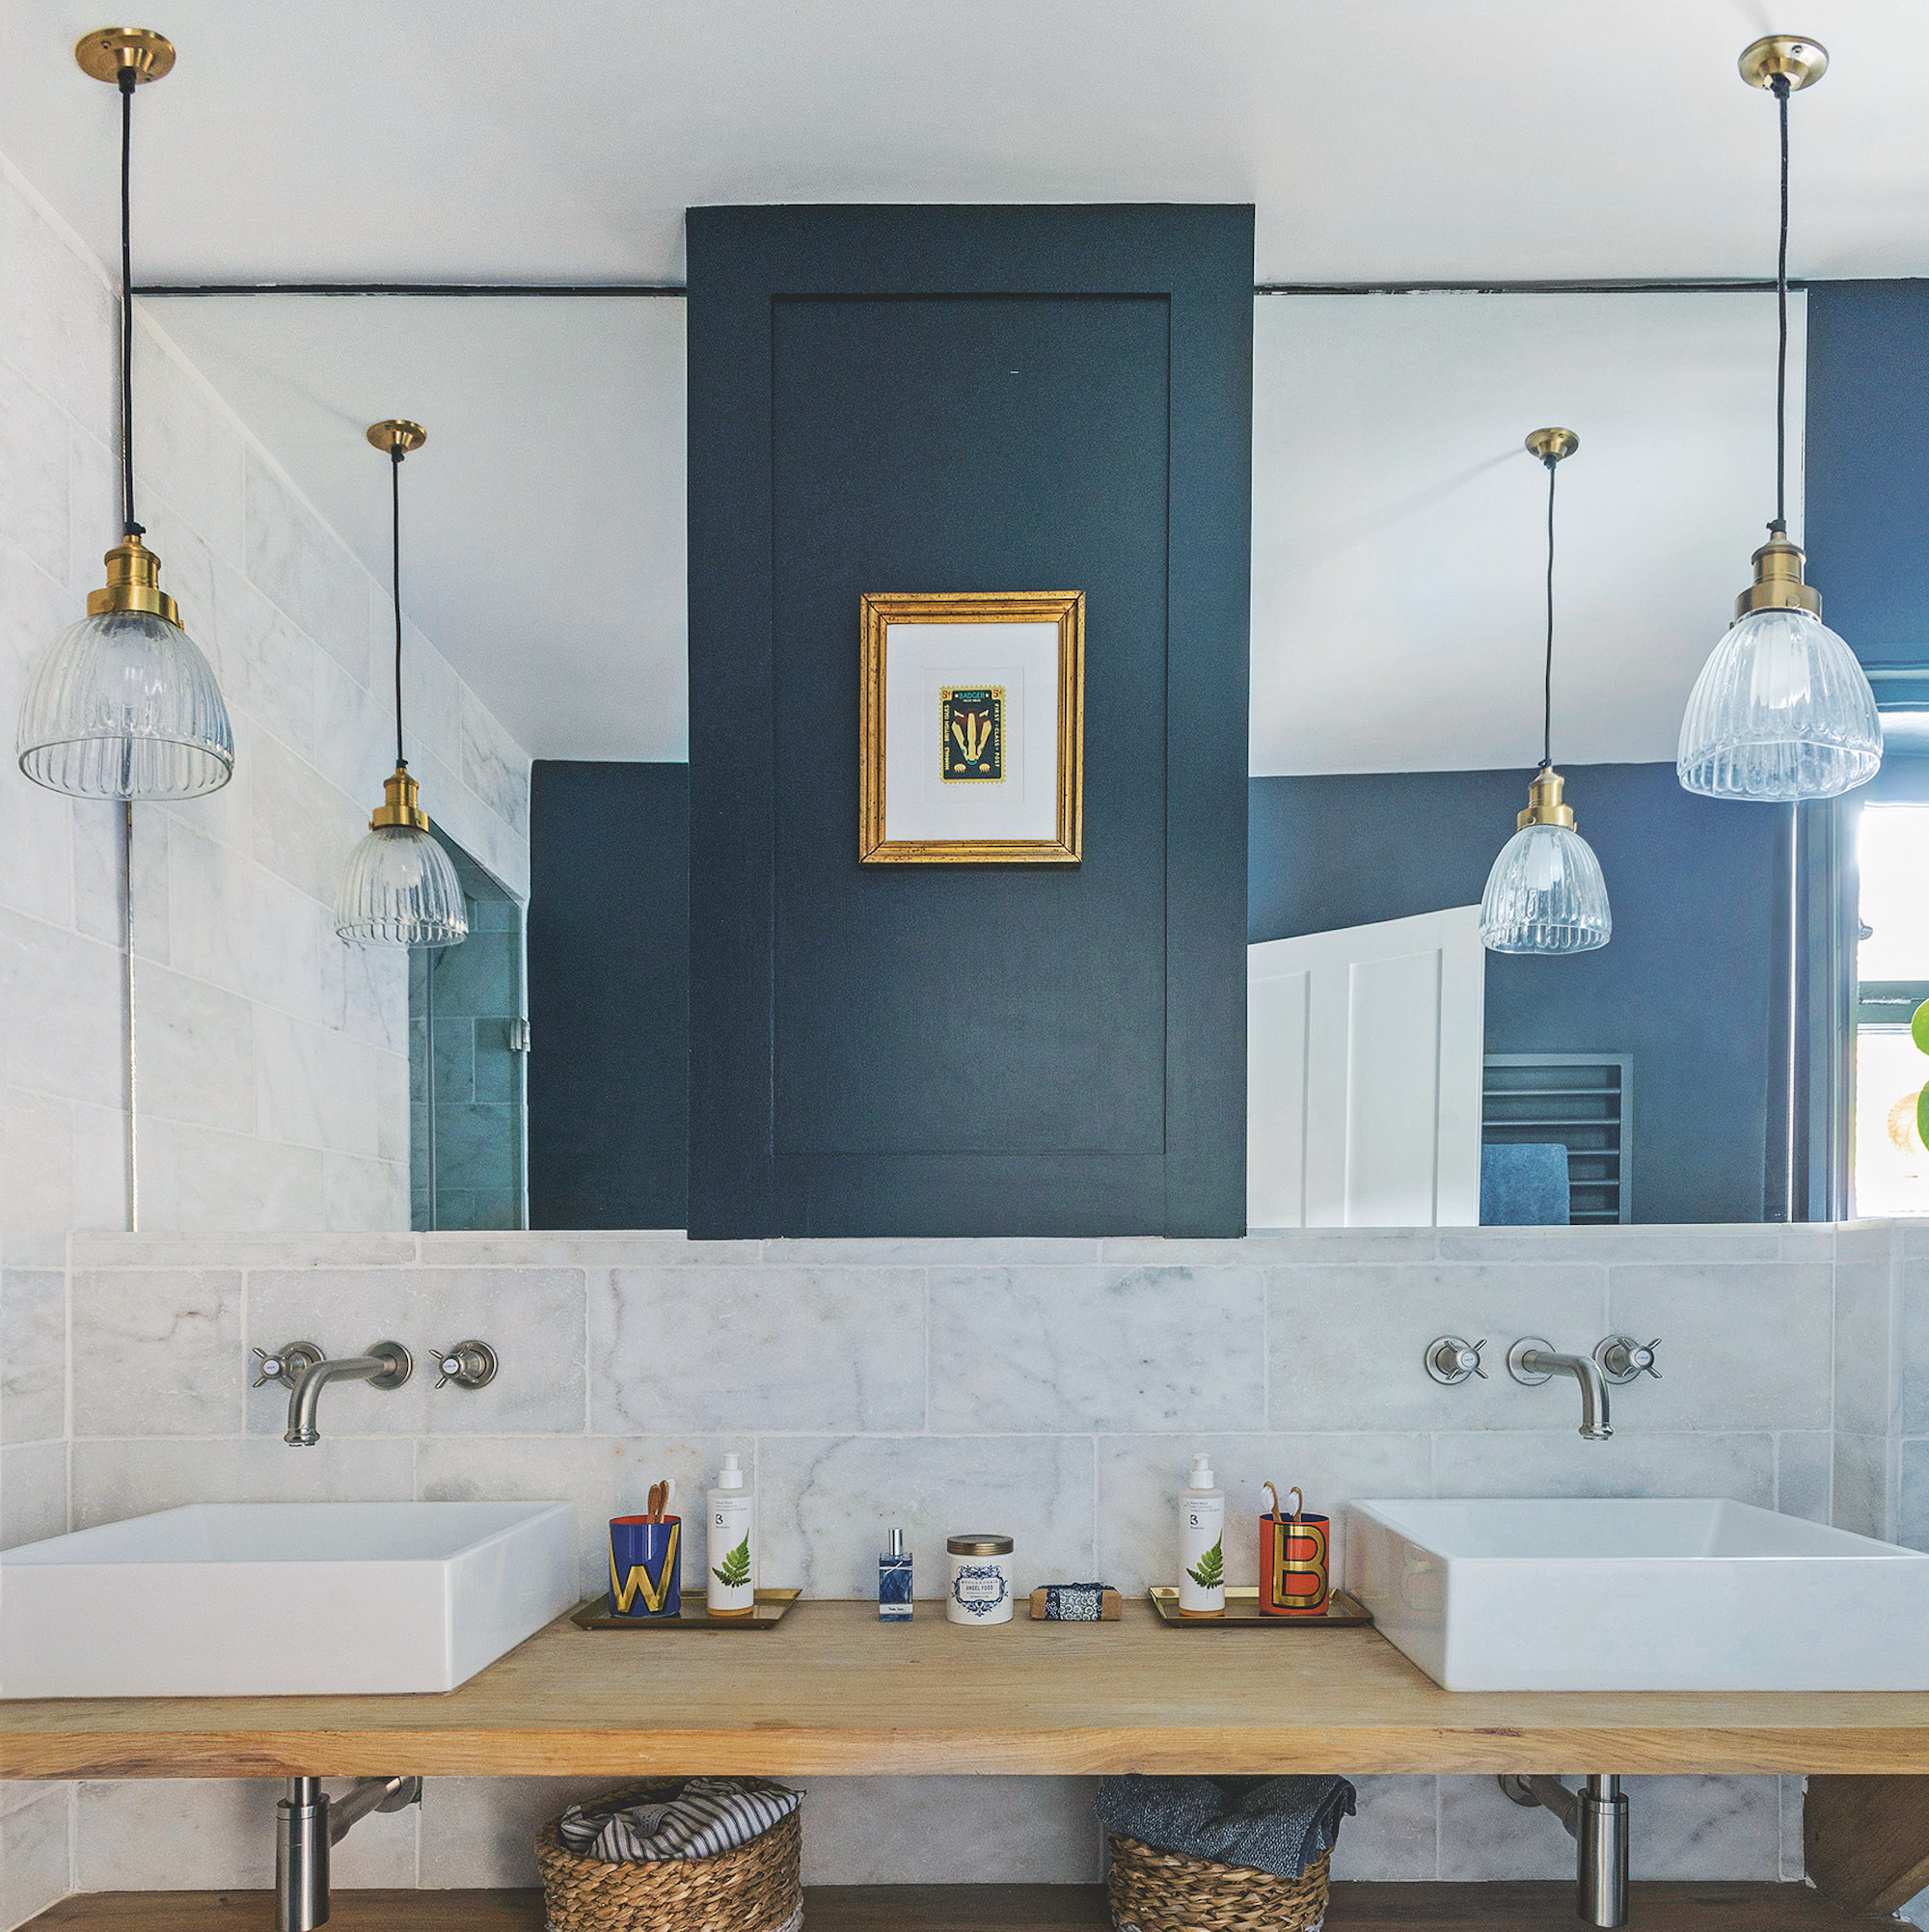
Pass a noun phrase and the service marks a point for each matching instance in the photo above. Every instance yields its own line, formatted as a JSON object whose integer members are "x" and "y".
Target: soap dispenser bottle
{"x": 1202, "y": 1544}
{"x": 731, "y": 1587}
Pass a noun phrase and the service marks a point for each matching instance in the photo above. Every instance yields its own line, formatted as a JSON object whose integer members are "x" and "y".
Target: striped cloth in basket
{"x": 707, "y": 1816}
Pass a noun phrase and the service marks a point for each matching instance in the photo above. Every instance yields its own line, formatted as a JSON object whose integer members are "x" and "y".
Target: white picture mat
{"x": 921, "y": 661}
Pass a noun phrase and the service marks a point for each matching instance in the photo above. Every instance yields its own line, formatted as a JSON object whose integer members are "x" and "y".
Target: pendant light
{"x": 1782, "y": 711}
{"x": 122, "y": 704}
{"x": 400, "y": 887}
{"x": 1545, "y": 893}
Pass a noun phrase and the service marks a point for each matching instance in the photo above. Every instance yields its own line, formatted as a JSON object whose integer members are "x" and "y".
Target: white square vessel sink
{"x": 1638, "y": 1595}
{"x": 282, "y": 1599}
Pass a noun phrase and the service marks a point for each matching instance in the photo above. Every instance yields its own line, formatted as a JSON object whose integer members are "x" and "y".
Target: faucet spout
{"x": 1531, "y": 1361}
{"x": 388, "y": 1364}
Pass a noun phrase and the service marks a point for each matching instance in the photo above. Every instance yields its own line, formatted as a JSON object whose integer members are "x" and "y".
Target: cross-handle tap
{"x": 469, "y": 1365}
{"x": 1451, "y": 1361}
{"x": 1532, "y": 1361}
{"x": 285, "y": 1364}
{"x": 1622, "y": 1359}
{"x": 388, "y": 1364}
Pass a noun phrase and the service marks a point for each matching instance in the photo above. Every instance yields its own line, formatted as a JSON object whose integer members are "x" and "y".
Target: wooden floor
{"x": 1710, "y": 1907}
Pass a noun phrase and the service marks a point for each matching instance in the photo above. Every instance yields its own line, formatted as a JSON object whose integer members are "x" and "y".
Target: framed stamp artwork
{"x": 971, "y": 736}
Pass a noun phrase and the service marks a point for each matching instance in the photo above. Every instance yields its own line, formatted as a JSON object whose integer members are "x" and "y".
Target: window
{"x": 1890, "y": 1167}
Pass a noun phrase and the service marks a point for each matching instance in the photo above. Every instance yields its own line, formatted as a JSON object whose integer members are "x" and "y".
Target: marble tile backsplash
{"x": 1052, "y": 1388}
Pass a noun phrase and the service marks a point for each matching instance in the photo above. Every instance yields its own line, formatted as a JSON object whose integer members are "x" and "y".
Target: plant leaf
{"x": 1211, "y": 1571}
{"x": 736, "y": 1570}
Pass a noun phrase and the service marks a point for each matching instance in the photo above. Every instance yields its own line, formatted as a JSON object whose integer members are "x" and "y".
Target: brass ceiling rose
{"x": 1552, "y": 445}
{"x": 104, "y": 52}
{"x": 1796, "y": 58}
{"x": 397, "y": 433}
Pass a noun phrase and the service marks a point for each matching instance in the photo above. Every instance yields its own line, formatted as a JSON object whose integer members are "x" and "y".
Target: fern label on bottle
{"x": 730, "y": 1589}
{"x": 1202, "y": 1544}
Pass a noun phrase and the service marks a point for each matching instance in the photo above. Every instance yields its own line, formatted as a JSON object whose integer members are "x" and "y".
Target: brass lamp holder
{"x": 1778, "y": 579}
{"x": 1543, "y": 801}
{"x": 107, "y": 52}
{"x": 133, "y": 583}
{"x": 397, "y": 433}
{"x": 1796, "y": 58}
{"x": 1550, "y": 445}
{"x": 400, "y": 803}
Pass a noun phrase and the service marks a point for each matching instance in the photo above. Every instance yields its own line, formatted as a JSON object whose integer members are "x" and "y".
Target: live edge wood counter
{"x": 832, "y": 1690}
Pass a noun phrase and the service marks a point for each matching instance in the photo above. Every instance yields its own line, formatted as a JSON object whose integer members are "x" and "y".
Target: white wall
{"x": 273, "y": 1059}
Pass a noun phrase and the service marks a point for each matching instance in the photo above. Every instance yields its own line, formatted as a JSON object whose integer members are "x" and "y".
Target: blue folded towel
{"x": 1525, "y": 1185}
{"x": 1279, "y": 1825}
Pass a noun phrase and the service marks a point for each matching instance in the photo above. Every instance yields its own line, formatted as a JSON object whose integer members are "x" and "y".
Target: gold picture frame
{"x": 907, "y": 739}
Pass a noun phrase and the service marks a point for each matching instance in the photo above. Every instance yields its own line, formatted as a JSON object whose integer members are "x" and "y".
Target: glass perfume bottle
{"x": 894, "y": 1580}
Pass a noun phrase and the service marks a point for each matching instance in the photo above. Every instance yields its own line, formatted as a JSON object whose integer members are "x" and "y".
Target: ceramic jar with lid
{"x": 979, "y": 1590}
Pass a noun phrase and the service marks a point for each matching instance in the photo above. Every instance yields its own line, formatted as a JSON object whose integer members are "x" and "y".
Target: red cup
{"x": 1294, "y": 1559}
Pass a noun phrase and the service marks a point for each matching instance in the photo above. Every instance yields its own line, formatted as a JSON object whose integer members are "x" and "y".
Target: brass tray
{"x": 770, "y": 1608}
{"x": 1343, "y": 1612}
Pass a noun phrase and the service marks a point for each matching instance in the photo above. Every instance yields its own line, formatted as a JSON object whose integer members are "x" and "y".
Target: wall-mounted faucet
{"x": 300, "y": 1368}
{"x": 1531, "y": 1361}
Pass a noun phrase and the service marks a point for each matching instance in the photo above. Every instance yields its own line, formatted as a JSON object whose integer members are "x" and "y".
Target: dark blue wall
{"x": 987, "y": 399}
{"x": 1684, "y": 984}
{"x": 609, "y": 965}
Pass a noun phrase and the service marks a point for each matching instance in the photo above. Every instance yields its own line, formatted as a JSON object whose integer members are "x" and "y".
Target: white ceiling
{"x": 1381, "y": 138}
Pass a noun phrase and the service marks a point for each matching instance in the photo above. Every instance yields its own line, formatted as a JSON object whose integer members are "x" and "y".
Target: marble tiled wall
{"x": 1056, "y": 1388}
{"x": 273, "y": 1062}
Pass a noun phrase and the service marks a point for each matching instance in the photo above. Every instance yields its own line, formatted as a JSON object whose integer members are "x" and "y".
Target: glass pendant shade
{"x": 399, "y": 888}
{"x": 123, "y": 705}
{"x": 1545, "y": 895}
{"x": 1782, "y": 711}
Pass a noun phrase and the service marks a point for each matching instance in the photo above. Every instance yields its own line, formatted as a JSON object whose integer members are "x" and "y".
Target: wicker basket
{"x": 1165, "y": 1892}
{"x": 752, "y": 1887}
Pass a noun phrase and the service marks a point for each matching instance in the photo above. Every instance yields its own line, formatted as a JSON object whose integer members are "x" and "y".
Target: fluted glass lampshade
{"x": 399, "y": 890}
{"x": 123, "y": 705}
{"x": 1545, "y": 895}
{"x": 1781, "y": 711}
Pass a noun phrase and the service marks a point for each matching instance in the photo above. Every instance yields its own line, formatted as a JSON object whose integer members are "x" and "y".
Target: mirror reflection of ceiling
{"x": 1504, "y": 139}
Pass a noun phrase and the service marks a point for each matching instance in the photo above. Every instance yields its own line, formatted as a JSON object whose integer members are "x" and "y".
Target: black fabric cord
{"x": 395, "y": 553}
{"x": 1547, "y": 676}
{"x": 1780, "y": 524}
{"x": 129, "y": 527}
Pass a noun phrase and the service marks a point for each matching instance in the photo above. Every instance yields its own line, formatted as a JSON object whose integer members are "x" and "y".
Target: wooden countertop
{"x": 831, "y": 1690}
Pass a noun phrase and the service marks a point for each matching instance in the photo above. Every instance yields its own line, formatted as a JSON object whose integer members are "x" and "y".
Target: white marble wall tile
{"x": 35, "y": 1853}
{"x": 59, "y": 306}
{"x": 1740, "y": 1467}
{"x": 17, "y": 1793}
{"x": 481, "y": 1830}
{"x": 32, "y": 1493}
{"x": 1866, "y": 1240}
{"x": 210, "y": 1181}
{"x": 1280, "y": 1247}
{"x": 604, "y": 1475}
{"x": 302, "y": 828}
{"x": 360, "y": 1192}
{"x": 494, "y": 766}
{"x": 1346, "y": 1343}
{"x": 1395, "y": 1833}
{"x": 789, "y": 1348}
{"x": 34, "y": 867}
{"x": 532, "y": 1317}
{"x": 1805, "y": 1473}
{"x": 266, "y": 664}
{"x": 93, "y": 493}
{"x": 1141, "y": 1476}
{"x": 648, "y": 1248}
{"x": 1679, "y": 1828}
{"x": 303, "y": 568}
{"x": 1801, "y": 1241}
{"x": 99, "y": 1142}
{"x": 1568, "y": 1246}
{"x": 71, "y": 986}
{"x": 37, "y": 1179}
{"x": 1912, "y": 1348}
{"x": 1859, "y": 1494}
{"x": 1742, "y": 1347}
{"x": 950, "y": 1831}
{"x": 826, "y": 1501}
{"x": 157, "y": 1352}
{"x": 217, "y": 1834}
{"x": 314, "y": 1086}
{"x": 273, "y": 955}
{"x": 99, "y": 913}
{"x": 904, "y": 1251}
{"x": 188, "y": 445}
{"x": 366, "y": 994}
{"x": 266, "y": 1249}
{"x": 33, "y": 1355}
{"x": 1097, "y": 1347}
{"x": 34, "y": 480}
{"x": 354, "y": 729}
{"x": 196, "y": 1050}
{"x": 432, "y": 691}
{"x": 187, "y": 564}
{"x": 1864, "y": 1340}
{"x": 112, "y": 1481}
{"x": 1911, "y": 1463}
